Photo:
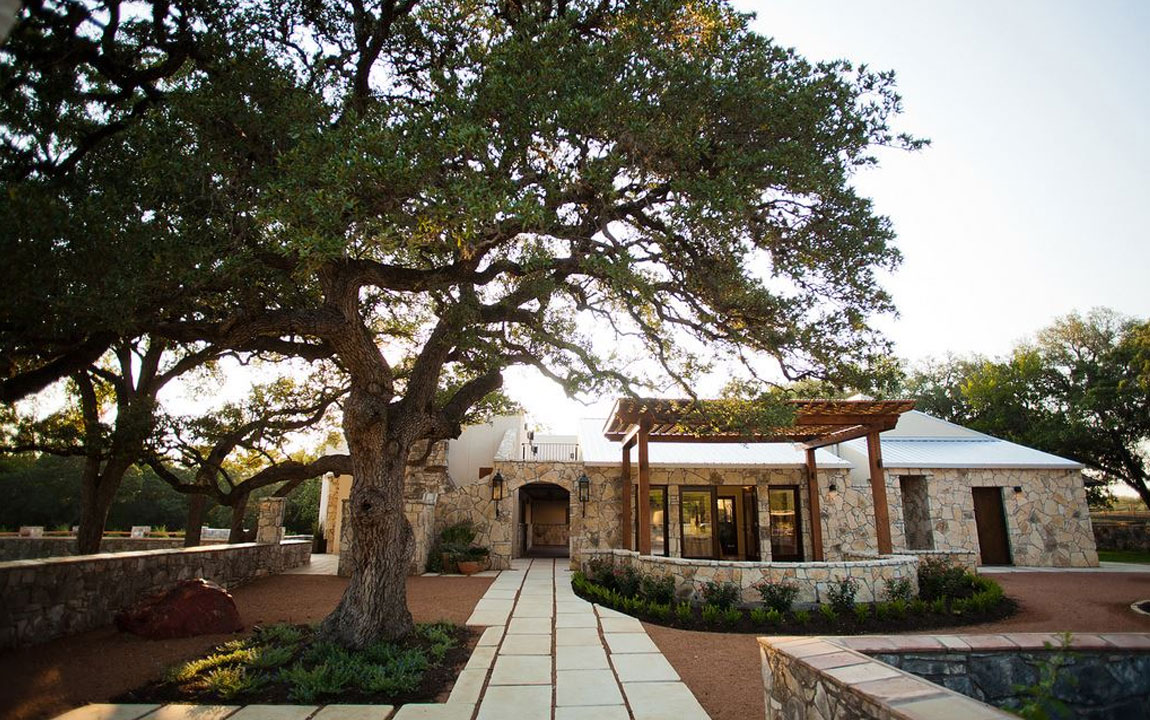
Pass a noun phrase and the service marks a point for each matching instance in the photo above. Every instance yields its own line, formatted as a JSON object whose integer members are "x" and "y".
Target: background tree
{"x": 1080, "y": 390}
{"x": 612, "y": 193}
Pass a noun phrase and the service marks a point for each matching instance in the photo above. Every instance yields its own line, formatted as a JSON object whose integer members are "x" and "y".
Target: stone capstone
{"x": 192, "y": 607}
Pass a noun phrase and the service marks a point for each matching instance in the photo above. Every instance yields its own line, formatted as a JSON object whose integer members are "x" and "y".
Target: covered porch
{"x": 731, "y": 519}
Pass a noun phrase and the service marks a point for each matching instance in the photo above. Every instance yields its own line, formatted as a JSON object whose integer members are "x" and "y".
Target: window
{"x": 786, "y": 523}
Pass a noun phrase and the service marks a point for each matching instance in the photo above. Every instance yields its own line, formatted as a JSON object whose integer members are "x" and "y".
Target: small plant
{"x": 660, "y": 611}
{"x": 938, "y": 605}
{"x": 658, "y": 589}
{"x": 862, "y": 613}
{"x": 960, "y": 606}
{"x": 626, "y": 581}
{"x": 723, "y": 595}
{"x": 759, "y": 616}
{"x": 829, "y": 613}
{"x": 778, "y": 596}
{"x": 918, "y": 606}
{"x": 841, "y": 594}
{"x": 228, "y": 682}
{"x": 281, "y": 634}
{"x": 774, "y": 617}
{"x": 898, "y": 589}
{"x": 270, "y": 656}
{"x": 802, "y": 617}
{"x": 1041, "y": 702}
{"x": 733, "y": 616}
{"x": 683, "y": 612}
{"x": 898, "y": 609}
{"x": 600, "y": 571}
{"x": 711, "y": 614}
{"x": 308, "y": 684}
{"x": 881, "y": 610}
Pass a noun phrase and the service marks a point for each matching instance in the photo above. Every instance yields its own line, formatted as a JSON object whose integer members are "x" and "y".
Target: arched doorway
{"x": 544, "y": 522}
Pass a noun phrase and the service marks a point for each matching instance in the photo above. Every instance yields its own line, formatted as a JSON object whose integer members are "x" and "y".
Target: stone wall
{"x": 549, "y": 534}
{"x": 1122, "y": 535}
{"x": 1047, "y": 519}
{"x": 31, "y": 548}
{"x": 44, "y": 599}
{"x": 813, "y": 578}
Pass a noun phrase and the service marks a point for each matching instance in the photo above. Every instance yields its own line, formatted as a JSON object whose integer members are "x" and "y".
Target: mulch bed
{"x": 45, "y": 680}
{"x": 437, "y": 682}
{"x": 723, "y": 669}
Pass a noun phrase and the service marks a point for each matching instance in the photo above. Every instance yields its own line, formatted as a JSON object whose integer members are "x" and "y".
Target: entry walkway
{"x": 550, "y": 655}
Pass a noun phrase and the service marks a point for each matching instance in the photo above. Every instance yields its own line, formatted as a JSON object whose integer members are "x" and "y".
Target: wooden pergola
{"x": 817, "y": 423}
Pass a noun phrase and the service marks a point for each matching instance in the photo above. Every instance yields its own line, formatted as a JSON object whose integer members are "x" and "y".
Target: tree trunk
{"x": 1139, "y": 486}
{"x": 197, "y": 504}
{"x": 374, "y": 606}
{"x": 96, "y": 498}
{"x": 239, "y": 509}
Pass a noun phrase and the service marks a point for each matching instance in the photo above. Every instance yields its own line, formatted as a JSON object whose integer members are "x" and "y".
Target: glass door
{"x": 658, "y": 512}
{"x": 728, "y": 528}
{"x": 786, "y": 523}
{"x": 697, "y": 518}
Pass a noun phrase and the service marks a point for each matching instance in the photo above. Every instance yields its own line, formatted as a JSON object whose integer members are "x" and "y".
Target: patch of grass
{"x": 229, "y": 682}
{"x": 1124, "y": 556}
{"x": 201, "y": 666}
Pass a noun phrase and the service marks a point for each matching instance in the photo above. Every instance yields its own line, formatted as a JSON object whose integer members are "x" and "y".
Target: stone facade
{"x": 44, "y": 599}
{"x": 814, "y": 579}
{"x": 1047, "y": 520}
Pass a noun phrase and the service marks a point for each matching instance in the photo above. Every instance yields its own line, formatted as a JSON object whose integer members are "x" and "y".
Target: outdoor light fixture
{"x": 832, "y": 487}
{"x": 584, "y": 491}
{"x": 1017, "y": 488}
{"x": 497, "y": 490}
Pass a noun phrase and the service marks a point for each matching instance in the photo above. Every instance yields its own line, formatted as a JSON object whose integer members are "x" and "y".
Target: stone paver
{"x": 592, "y": 712}
{"x": 586, "y": 687}
{"x": 275, "y": 712}
{"x": 521, "y": 702}
{"x": 435, "y": 711}
{"x": 108, "y": 711}
{"x": 663, "y": 700}
{"x": 580, "y": 657}
{"x": 185, "y": 711}
{"x": 643, "y": 667}
{"x": 630, "y": 643}
{"x": 521, "y": 670}
{"x": 526, "y": 645}
{"x": 349, "y": 712}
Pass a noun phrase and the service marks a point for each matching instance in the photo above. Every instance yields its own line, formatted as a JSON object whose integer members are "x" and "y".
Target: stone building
{"x": 746, "y": 508}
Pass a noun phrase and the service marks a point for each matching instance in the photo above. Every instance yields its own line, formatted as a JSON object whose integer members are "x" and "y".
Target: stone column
{"x": 270, "y": 526}
{"x": 344, "y": 569}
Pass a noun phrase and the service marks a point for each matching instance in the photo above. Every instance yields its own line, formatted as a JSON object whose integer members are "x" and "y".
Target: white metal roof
{"x": 598, "y": 450}
{"x": 974, "y": 452}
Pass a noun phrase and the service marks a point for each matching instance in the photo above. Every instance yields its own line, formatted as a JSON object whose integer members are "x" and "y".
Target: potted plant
{"x": 471, "y": 560}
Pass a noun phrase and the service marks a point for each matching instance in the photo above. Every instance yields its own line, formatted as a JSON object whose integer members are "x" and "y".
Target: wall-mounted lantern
{"x": 832, "y": 487}
{"x": 584, "y": 483}
{"x": 497, "y": 490}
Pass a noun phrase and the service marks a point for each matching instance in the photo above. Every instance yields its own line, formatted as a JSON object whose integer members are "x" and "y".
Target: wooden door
{"x": 990, "y": 519}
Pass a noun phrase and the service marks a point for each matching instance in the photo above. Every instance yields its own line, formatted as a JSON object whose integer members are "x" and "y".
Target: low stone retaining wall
{"x": 52, "y": 597}
{"x": 813, "y": 578}
{"x": 31, "y": 548}
{"x": 832, "y": 678}
{"x": 1117, "y": 535}
{"x": 966, "y": 559}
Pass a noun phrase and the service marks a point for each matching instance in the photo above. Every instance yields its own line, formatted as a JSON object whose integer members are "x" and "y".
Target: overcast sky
{"x": 1032, "y": 200}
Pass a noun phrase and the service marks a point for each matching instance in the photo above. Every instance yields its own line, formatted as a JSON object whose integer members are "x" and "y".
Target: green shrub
{"x": 802, "y": 617}
{"x": 862, "y": 613}
{"x": 938, "y": 605}
{"x": 774, "y": 617}
{"x": 230, "y": 653}
{"x": 280, "y": 634}
{"x": 841, "y": 594}
{"x": 600, "y": 571}
{"x": 460, "y": 533}
{"x": 898, "y": 609}
{"x": 272, "y": 656}
{"x": 918, "y": 606}
{"x": 660, "y": 611}
{"x": 720, "y": 594}
{"x": 683, "y": 612}
{"x": 454, "y": 540}
{"x": 711, "y": 614}
{"x": 733, "y": 616}
{"x": 940, "y": 577}
{"x": 759, "y": 616}
{"x": 778, "y": 596}
{"x": 881, "y": 610}
{"x": 229, "y": 682}
{"x": 898, "y": 589}
{"x": 960, "y": 606}
{"x": 658, "y": 589}
{"x": 626, "y": 581}
{"x": 829, "y": 612}
{"x": 327, "y": 679}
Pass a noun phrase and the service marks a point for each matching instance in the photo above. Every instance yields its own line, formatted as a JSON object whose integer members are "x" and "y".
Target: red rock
{"x": 192, "y": 607}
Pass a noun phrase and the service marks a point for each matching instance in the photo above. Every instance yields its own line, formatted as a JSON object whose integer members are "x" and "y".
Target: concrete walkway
{"x": 545, "y": 655}
{"x": 1103, "y": 567}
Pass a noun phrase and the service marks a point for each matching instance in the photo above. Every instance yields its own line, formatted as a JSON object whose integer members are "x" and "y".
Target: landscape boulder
{"x": 193, "y": 607}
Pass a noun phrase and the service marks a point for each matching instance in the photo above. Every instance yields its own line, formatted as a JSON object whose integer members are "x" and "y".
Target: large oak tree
{"x": 611, "y": 192}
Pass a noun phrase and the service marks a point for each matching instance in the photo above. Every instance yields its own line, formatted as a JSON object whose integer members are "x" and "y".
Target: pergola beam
{"x": 644, "y": 500}
{"x": 814, "y": 504}
{"x": 848, "y": 433}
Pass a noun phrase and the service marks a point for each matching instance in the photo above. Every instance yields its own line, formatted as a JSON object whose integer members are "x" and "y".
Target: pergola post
{"x": 625, "y": 515}
{"x": 644, "y": 499}
{"x": 816, "y": 512}
{"x": 878, "y": 493}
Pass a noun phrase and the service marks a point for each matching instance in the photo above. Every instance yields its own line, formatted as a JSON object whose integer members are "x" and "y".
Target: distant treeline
{"x": 45, "y": 491}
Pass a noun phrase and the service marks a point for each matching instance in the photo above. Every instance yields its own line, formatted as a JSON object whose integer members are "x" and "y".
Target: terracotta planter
{"x": 468, "y": 567}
